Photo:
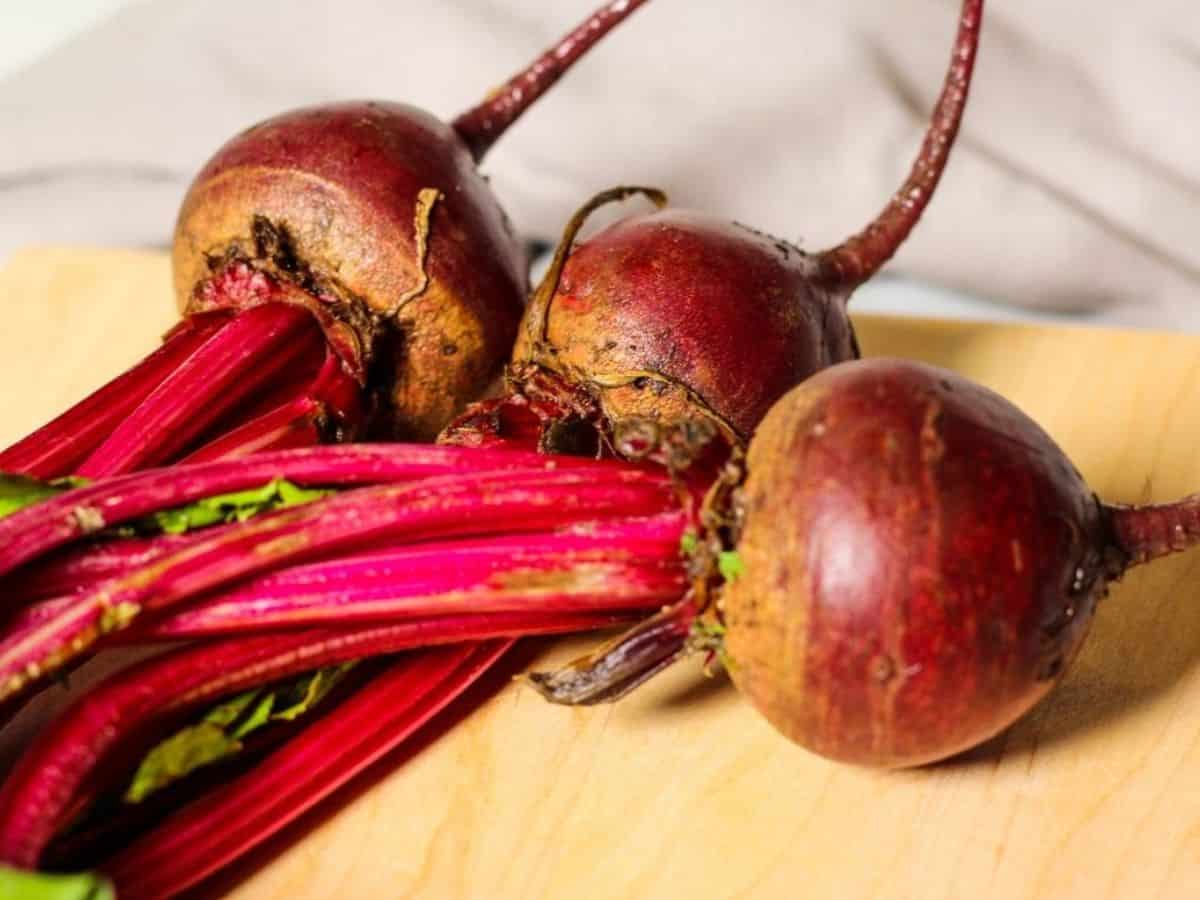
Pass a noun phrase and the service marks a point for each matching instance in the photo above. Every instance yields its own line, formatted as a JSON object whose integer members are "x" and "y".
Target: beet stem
{"x": 296, "y": 423}
{"x": 57, "y": 447}
{"x": 45, "y": 526}
{"x": 858, "y": 258}
{"x": 225, "y": 824}
{"x": 300, "y": 421}
{"x": 609, "y": 566}
{"x": 250, "y": 350}
{"x": 615, "y": 669}
{"x": 83, "y": 566}
{"x": 86, "y": 565}
{"x": 482, "y": 503}
{"x": 43, "y": 786}
{"x": 1145, "y": 533}
{"x": 537, "y": 315}
{"x": 482, "y": 125}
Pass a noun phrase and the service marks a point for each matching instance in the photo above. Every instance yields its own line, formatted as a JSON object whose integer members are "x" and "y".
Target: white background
{"x": 28, "y": 29}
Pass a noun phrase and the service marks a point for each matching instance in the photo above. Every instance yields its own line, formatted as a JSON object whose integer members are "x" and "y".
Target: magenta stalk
{"x": 612, "y": 566}
{"x": 57, "y": 447}
{"x": 36, "y": 530}
{"x": 481, "y": 503}
{"x": 222, "y": 826}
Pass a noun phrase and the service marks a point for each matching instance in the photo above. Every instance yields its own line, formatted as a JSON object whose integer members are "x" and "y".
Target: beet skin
{"x": 685, "y": 298}
{"x": 921, "y": 563}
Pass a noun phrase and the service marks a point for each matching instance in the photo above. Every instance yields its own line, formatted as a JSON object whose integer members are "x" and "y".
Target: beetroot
{"x": 921, "y": 564}
{"x": 675, "y": 313}
{"x": 374, "y": 218}
{"x": 914, "y": 563}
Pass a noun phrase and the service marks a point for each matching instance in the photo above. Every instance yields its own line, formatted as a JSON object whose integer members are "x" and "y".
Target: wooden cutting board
{"x": 682, "y": 791}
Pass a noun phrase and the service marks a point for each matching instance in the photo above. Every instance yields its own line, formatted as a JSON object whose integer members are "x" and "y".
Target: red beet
{"x": 921, "y": 564}
{"x": 677, "y": 313}
{"x": 373, "y": 217}
{"x": 917, "y": 565}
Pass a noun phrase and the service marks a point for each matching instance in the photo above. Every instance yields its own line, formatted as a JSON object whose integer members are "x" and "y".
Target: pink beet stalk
{"x": 238, "y": 360}
{"x": 84, "y": 566}
{"x": 296, "y": 423}
{"x": 45, "y": 785}
{"x": 57, "y": 447}
{"x": 484, "y": 503}
{"x": 625, "y": 564}
{"x": 36, "y": 530}
{"x": 303, "y": 419}
{"x": 227, "y": 823}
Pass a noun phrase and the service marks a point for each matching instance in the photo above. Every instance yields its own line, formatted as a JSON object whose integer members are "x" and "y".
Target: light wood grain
{"x": 681, "y": 791}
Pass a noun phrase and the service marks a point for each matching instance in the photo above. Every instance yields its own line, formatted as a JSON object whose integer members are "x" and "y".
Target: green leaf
{"x": 231, "y": 710}
{"x": 307, "y": 693}
{"x": 730, "y": 565}
{"x": 219, "y": 734}
{"x": 18, "y": 884}
{"x": 259, "y": 716}
{"x": 688, "y": 543}
{"x": 235, "y": 506}
{"x": 708, "y": 630}
{"x": 182, "y": 753}
{"x": 18, "y": 491}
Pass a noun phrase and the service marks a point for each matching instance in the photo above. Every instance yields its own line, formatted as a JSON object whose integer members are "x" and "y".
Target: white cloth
{"x": 1076, "y": 185}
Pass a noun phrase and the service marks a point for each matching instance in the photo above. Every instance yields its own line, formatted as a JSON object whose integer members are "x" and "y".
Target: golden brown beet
{"x": 384, "y": 213}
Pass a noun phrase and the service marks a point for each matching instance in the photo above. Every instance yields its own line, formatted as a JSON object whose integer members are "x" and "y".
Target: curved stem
{"x": 537, "y": 314}
{"x": 857, "y": 259}
{"x": 482, "y": 125}
{"x": 1144, "y": 533}
{"x": 616, "y": 668}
